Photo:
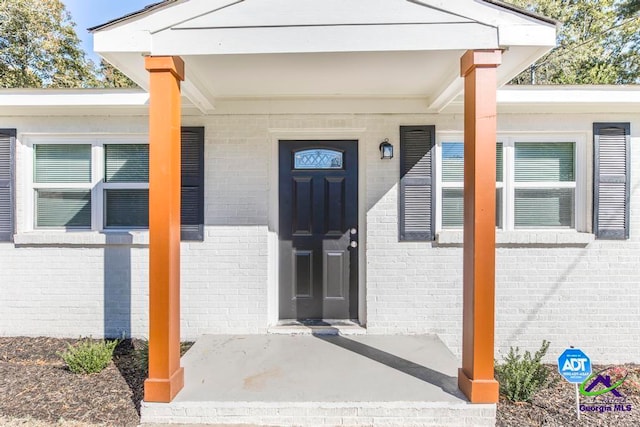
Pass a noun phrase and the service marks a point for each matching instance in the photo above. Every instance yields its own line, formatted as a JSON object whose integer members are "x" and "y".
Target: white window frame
{"x": 508, "y": 140}
{"x": 97, "y": 184}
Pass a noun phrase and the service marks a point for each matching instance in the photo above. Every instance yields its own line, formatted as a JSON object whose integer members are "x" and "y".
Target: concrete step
{"x": 320, "y": 413}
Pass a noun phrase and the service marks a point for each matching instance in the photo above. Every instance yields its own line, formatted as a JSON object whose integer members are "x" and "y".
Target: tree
{"x": 39, "y": 47}
{"x": 110, "y": 76}
{"x": 598, "y": 43}
{"x": 630, "y": 7}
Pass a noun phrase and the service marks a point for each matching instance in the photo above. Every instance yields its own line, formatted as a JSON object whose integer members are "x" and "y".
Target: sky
{"x": 89, "y": 13}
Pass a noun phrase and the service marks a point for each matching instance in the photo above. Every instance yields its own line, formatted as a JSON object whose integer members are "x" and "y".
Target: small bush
{"x": 88, "y": 356}
{"x": 521, "y": 376}
{"x": 142, "y": 355}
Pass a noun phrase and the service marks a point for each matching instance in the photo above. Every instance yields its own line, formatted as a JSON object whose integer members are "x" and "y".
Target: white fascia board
{"x": 117, "y": 40}
{"x": 562, "y": 99}
{"x": 134, "y": 35}
{"x": 549, "y": 95}
{"x": 515, "y": 29}
{"x": 88, "y": 98}
{"x": 365, "y": 38}
{"x": 528, "y": 35}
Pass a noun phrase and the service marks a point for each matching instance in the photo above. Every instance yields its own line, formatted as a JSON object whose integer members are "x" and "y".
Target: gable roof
{"x": 320, "y": 48}
{"x": 165, "y": 3}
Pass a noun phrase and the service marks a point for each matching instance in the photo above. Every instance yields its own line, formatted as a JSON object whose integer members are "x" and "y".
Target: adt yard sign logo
{"x": 574, "y": 365}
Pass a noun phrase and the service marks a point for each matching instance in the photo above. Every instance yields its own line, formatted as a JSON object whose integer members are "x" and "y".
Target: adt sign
{"x": 574, "y": 365}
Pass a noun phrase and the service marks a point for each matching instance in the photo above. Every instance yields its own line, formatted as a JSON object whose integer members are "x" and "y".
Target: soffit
{"x": 306, "y": 48}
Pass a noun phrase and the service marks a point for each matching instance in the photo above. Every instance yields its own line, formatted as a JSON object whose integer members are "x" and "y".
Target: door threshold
{"x": 318, "y": 327}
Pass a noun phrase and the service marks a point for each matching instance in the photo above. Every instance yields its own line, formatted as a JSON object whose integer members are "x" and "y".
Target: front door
{"x": 318, "y": 229}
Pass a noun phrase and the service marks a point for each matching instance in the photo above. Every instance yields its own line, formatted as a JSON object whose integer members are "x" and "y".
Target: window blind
{"x": 126, "y": 208}
{"x": 62, "y": 163}
{"x": 126, "y": 162}
{"x": 538, "y": 162}
{"x": 63, "y": 208}
{"x": 544, "y": 207}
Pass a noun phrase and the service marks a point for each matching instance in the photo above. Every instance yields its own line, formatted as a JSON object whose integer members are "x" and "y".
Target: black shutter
{"x": 192, "y": 184}
{"x": 416, "y": 183}
{"x": 611, "y": 180}
{"x": 7, "y": 143}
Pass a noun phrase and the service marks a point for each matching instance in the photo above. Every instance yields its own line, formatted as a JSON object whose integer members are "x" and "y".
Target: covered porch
{"x": 346, "y": 53}
{"x": 320, "y": 379}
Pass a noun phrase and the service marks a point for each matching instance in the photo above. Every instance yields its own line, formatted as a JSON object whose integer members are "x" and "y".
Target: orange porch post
{"x": 166, "y": 377}
{"x": 476, "y": 377}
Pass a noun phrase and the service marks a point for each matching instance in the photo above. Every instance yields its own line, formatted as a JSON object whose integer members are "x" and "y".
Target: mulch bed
{"x": 35, "y": 385}
{"x": 556, "y": 405}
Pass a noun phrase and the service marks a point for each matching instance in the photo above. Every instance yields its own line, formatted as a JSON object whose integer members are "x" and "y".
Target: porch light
{"x": 386, "y": 150}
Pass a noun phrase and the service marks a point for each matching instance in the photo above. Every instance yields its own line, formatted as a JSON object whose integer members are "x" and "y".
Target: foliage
{"x": 39, "y": 47}
{"x": 142, "y": 355}
{"x": 630, "y": 7}
{"x": 112, "y": 77}
{"x": 520, "y": 376}
{"x": 89, "y": 356}
{"x": 598, "y": 42}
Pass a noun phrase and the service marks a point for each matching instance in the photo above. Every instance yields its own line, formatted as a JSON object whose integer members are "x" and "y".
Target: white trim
{"x": 583, "y": 166}
{"x": 310, "y": 134}
{"x": 565, "y": 99}
{"x": 97, "y": 185}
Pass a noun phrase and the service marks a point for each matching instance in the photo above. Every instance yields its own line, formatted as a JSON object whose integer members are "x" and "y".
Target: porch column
{"x": 476, "y": 377}
{"x": 166, "y": 377}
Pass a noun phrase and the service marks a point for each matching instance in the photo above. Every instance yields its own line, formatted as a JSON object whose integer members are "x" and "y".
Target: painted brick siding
{"x": 588, "y": 297}
{"x": 583, "y": 296}
{"x": 88, "y": 288}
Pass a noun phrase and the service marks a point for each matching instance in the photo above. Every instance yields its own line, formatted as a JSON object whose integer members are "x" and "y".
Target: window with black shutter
{"x": 192, "y": 197}
{"x": 7, "y": 144}
{"x": 417, "y": 213}
{"x": 611, "y": 180}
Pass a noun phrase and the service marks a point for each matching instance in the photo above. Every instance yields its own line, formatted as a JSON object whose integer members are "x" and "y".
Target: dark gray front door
{"x": 318, "y": 229}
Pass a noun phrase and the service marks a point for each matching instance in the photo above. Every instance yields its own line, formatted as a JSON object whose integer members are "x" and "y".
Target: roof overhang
{"x": 311, "y": 48}
{"x": 511, "y": 100}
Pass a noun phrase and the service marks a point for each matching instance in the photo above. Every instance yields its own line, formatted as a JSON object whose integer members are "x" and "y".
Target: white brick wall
{"x": 583, "y": 296}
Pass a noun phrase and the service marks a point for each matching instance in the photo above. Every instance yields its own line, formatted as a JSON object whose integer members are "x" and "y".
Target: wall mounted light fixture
{"x": 386, "y": 149}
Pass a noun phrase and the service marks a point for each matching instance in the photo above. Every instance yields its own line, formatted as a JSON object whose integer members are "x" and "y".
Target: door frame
{"x": 275, "y": 136}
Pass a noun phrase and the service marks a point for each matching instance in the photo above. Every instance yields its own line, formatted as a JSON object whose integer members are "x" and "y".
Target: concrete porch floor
{"x": 320, "y": 379}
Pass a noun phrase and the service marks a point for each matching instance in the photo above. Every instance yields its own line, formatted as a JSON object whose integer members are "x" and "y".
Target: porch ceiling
{"x": 313, "y": 48}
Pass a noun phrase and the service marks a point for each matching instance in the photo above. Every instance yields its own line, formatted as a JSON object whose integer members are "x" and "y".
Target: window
{"x": 318, "y": 159}
{"x": 544, "y": 185}
{"x": 537, "y": 182}
{"x": 126, "y": 188}
{"x": 86, "y": 182}
{"x": 452, "y": 184}
{"x": 62, "y": 184}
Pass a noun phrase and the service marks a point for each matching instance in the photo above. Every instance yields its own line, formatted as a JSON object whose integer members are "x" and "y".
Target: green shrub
{"x": 89, "y": 356}
{"x": 142, "y": 354}
{"x": 521, "y": 376}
